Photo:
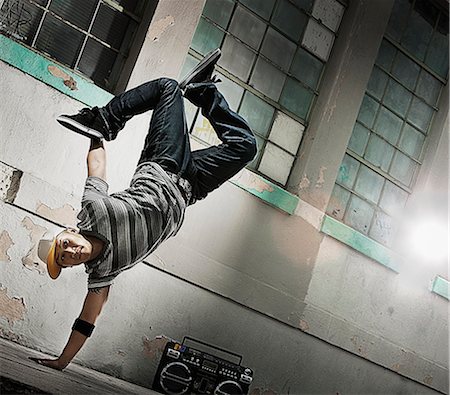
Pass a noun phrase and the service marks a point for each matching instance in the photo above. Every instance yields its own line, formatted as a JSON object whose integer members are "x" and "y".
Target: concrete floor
{"x": 16, "y": 367}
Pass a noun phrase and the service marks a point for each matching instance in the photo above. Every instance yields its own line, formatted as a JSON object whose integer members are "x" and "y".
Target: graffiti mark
{"x": 15, "y": 19}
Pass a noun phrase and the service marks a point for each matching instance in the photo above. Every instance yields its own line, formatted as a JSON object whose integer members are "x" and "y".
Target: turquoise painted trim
{"x": 441, "y": 287}
{"x": 36, "y": 65}
{"x": 271, "y": 193}
{"x": 359, "y": 242}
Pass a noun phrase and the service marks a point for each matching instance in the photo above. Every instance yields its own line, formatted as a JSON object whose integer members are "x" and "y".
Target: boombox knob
{"x": 228, "y": 387}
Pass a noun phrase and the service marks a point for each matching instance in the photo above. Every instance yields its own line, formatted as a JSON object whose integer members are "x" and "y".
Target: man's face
{"x": 71, "y": 248}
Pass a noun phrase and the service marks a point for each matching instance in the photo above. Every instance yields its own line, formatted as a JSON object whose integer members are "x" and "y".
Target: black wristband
{"x": 84, "y": 327}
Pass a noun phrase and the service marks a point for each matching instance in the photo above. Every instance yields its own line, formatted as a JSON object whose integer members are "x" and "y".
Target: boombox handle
{"x": 217, "y": 348}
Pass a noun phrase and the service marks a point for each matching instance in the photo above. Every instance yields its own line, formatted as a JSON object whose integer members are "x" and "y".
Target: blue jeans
{"x": 167, "y": 142}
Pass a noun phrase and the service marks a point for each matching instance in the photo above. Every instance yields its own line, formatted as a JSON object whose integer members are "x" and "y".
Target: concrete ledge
{"x": 359, "y": 242}
{"x": 441, "y": 287}
{"x": 52, "y": 73}
{"x": 267, "y": 191}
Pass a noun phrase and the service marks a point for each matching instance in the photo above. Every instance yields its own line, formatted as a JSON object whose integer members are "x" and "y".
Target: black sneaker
{"x": 203, "y": 71}
{"x": 87, "y": 122}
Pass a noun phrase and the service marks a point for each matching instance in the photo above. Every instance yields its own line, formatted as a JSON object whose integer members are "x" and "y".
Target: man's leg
{"x": 217, "y": 164}
{"x": 167, "y": 142}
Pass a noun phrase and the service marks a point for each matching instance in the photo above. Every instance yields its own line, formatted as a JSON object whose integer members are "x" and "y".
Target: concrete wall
{"x": 308, "y": 313}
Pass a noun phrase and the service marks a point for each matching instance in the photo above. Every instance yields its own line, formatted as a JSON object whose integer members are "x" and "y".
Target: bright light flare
{"x": 428, "y": 240}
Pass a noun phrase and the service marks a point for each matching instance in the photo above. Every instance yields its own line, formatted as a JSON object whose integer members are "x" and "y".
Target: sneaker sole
{"x": 206, "y": 61}
{"x": 79, "y": 128}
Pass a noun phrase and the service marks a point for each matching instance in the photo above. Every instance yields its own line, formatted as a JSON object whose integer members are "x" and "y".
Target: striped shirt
{"x": 131, "y": 223}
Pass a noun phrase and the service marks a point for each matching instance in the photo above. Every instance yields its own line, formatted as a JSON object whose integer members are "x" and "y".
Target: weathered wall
{"x": 309, "y": 314}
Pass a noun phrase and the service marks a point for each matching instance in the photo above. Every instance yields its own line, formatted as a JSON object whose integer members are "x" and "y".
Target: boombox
{"x": 202, "y": 369}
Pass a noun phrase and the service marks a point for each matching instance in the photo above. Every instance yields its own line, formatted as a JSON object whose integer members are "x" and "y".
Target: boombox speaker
{"x": 195, "y": 367}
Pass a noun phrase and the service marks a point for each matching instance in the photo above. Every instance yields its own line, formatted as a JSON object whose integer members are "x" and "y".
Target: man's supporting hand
{"x": 51, "y": 363}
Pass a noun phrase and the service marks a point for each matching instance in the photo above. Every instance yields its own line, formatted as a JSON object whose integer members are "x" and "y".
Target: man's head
{"x": 68, "y": 248}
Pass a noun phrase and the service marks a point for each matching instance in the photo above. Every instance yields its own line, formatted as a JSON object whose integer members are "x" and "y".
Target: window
{"x": 89, "y": 36}
{"x": 385, "y": 150}
{"x": 273, "y": 56}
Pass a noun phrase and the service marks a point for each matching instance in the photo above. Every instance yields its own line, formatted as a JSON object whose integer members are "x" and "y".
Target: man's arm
{"x": 93, "y": 304}
{"x": 96, "y": 160}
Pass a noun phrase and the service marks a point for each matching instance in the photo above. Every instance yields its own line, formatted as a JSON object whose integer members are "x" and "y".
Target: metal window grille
{"x": 273, "y": 56}
{"x": 92, "y": 37}
{"x": 386, "y": 148}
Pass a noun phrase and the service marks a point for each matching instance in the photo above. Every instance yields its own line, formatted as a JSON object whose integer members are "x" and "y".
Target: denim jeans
{"x": 167, "y": 142}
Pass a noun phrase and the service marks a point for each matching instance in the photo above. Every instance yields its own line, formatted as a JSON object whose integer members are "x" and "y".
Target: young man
{"x": 116, "y": 231}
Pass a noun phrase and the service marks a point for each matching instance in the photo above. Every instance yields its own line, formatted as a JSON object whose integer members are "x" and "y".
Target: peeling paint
{"x": 396, "y": 367}
{"x": 5, "y": 244}
{"x": 304, "y": 183}
{"x": 154, "y": 348}
{"x": 303, "y": 325}
{"x": 63, "y": 215}
{"x": 67, "y": 79}
{"x": 428, "y": 379}
{"x": 31, "y": 260}
{"x": 158, "y": 27}
{"x": 13, "y": 309}
{"x": 252, "y": 182}
{"x": 321, "y": 179}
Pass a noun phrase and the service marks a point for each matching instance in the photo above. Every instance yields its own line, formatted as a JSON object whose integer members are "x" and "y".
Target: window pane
{"x": 393, "y": 199}
{"x": 397, "y": 97}
{"x": 369, "y": 184}
{"x": 377, "y": 83}
{"x": 411, "y": 141}
{"x": 278, "y": 48}
{"x": 437, "y": 57}
{"x": 318, "y": 40}
{"x": 236, "y": 58}
{"x": 79, "y": 13}
{"x": 59, "y": 40}
{"x": 383, "y": 229}
{"x": 386, "y": 55}
{"x": 388, "y": 125}
{"x": 379, "y": 152}
{"x": 329, "y": 12}
{"x": 207, "y": 37}
{"x": 403, "y": 168}
{"x": 359, "y": 138}
{"x": 398, "y": 19}
{"x": 247, "y": 27}
{"x": 429, "y": 88}
{"x": 338, "y": 202}
{"x": 368, "y": 110}
{"x": 307, "y": 68}
{"x": 257, "y": 112}
{"x": 231, "y": 91}
{"x": 347, "y": 171}
{"x": 276, "y": 163}
{"x": 417, "y": 35}
{"x": 219, "y": 11}
{"x": 286, "y": 132}
{"x": 359, "y": 214}
{"x": 267, "y": 79}
{"x": 296, "y": 98}
{"x": 111, "y": 26}
{"x": 303, "y": 4}
{"x": 97, "y": 62}
{"x": 406, "y": 70}
{"x": 262, "y": 8}
{"x": 289, "y": 19}
{"x": 420, "y": 114}
{"x": 12, "y": 13}
{"x": 204, "y": 131}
